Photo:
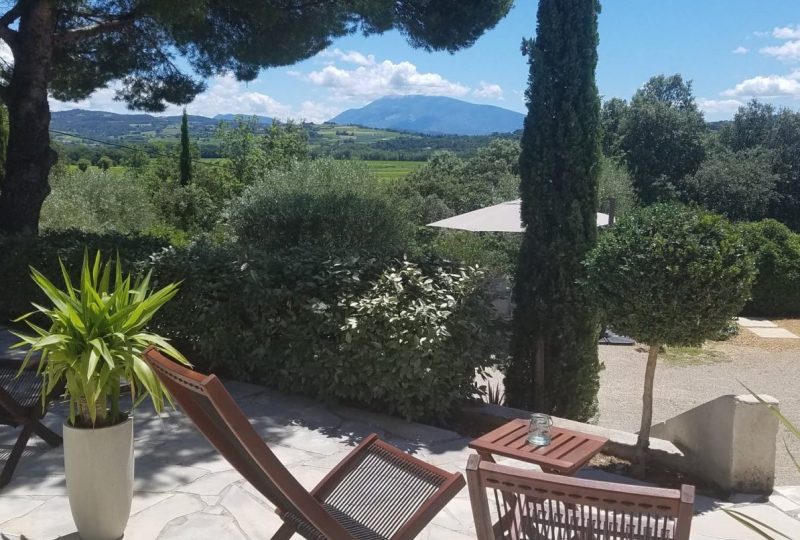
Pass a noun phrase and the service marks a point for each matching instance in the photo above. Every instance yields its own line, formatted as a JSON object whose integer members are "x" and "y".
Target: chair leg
{"x": 16, "y": 454}
{"x": 284, "y": 533}
{"x": 49, "y": 436}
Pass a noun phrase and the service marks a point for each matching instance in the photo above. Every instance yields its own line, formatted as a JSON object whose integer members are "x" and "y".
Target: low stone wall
{"x": 730, "y": 441}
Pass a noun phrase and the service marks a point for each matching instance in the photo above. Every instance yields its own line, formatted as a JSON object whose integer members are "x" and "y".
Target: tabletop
{"x": 567, "y": 452}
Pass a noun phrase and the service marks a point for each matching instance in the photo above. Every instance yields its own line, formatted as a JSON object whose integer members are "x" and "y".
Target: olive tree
{"x": 667, "y": 275}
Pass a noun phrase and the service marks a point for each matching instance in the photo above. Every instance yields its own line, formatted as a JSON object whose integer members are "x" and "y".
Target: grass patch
{"x": 691, "y": 356}
{"x": 386, "y": 171}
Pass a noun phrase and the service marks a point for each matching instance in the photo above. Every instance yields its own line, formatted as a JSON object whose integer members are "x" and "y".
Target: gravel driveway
{"x": 684, "y": 381}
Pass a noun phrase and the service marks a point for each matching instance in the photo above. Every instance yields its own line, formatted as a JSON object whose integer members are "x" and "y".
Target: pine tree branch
{"x": 73, "y": 35}
{"x": 11, "y": 15}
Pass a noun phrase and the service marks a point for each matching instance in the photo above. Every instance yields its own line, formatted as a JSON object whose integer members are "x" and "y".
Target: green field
{"x": 392, "y": 170}
{"x": 385, "y": 171}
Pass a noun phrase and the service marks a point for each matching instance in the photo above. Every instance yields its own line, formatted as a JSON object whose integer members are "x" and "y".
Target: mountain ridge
{"x": 432, "y": 115}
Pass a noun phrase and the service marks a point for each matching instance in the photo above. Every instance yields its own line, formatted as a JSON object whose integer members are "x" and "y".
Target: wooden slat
{"x": 567, "y": 452}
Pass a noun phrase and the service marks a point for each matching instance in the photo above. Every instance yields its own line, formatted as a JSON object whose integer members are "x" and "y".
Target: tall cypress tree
{"x": 186, "y": 152}
{"x": 554, "y": 366}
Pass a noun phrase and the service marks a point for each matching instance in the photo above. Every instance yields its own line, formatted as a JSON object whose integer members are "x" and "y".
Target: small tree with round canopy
{"x": 668, "y": 275}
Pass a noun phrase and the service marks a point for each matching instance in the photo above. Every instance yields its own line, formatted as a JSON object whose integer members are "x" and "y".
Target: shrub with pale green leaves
{"x": 98, "y": 201}
{"x": 337, "y": 206}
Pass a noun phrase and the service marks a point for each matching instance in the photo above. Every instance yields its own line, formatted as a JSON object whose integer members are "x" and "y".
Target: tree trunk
{"x": 643, "y": 442}
{"x": 30, "y": 157}
{"x": 540, "y": 399}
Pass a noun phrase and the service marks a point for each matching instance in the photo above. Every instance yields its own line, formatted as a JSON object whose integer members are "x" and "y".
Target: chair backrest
{"x": 216, "y": 415}
{"x": 514, "y": 503}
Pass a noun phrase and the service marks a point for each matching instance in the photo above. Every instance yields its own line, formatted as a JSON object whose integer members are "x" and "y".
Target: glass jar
{"x": 539, "y": 429}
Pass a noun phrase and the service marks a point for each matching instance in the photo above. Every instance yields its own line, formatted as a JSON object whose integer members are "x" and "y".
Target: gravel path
{"x": 684, "y": 381}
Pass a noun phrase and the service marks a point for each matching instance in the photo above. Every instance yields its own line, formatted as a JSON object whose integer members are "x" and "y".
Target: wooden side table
{"x": 567, "y": 452}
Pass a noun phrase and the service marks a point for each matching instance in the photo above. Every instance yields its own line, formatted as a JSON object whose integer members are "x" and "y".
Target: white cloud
{"x": 787, "y": 52}
{"x": 375, "y": 79}
{"x": 740, "y": 50}
{"x": 225, "y": 95}
{"x": 768, "y": 86}
{"x": 5, "y": 53}
{"x": 488, "y": 90}
{"x": 351, "y": 57}
{"x": 787, "y": 32}
{"x": 711, "y": 106}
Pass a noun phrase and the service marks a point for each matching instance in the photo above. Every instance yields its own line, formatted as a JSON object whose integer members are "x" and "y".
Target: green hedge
{"x": 396, "y": 336}
{"x": 17, "y": 289}
{"x": 776, "y": 291}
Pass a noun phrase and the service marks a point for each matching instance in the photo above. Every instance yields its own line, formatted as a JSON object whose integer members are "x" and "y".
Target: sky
{"x": 732, "y": 50}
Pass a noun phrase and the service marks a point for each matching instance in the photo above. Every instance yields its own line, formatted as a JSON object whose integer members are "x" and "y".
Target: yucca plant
{"x": 96, "y": 338}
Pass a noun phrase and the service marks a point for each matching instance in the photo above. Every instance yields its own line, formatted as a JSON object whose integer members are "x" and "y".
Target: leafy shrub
{"x": 98, "y": 201}
{"x": 17, "y": 290}
{"x": 777, "y": 254}
{"x": 104, "y": 163}
{"x": 668, "y": 275}
{"x": 739, "y": 185}
{"x": 489, "y": 177}
{"x": 400, "y": 337}
{"x": 615, "y": 183}
{"x": 333, "y": 205}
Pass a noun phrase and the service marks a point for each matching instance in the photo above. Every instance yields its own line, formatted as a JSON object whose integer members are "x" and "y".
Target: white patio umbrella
{"x": 503, "y": 217}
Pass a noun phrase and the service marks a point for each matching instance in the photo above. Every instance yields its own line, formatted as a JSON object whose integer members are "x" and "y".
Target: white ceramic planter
{"x": 99, "y": 471}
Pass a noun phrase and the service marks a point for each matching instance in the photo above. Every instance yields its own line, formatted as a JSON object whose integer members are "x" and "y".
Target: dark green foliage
{"x": 104, "y": 163}
{"x": 662, "y": 137}
{"x": 776, "y": 249}
{"x": 669, "y": 275}
{"x": 391, "y": 335}
{"x": 18, "y": 290}
{"x": 186, "y": 152}
{"x": 759, "y": 125}
{"x": 84, "y": 164}
{"x": 335, "y": 206}
{"x": 559, "y": 170}
{"x": 612, "y": 116}
{"x": 740, "y": 185}
{"x": 3, "y": 140}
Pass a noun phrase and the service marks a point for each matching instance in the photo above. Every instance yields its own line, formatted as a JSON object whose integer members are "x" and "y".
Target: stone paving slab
{"x": 747, "y": 322}
{"x": 773, "y": 333}
{"x": 185, "y": 490}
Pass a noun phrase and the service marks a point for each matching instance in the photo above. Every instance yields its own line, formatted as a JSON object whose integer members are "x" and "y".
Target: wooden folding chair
{"x": 21, "y": 405}
{"x": 376, "y": 492}
{"x": 522, "y": 504}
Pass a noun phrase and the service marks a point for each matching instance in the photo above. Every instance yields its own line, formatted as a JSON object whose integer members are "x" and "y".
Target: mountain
{"x": 134, "y": 127}
{"x": 433, "y": 115}
{"x": 263, "y": 120}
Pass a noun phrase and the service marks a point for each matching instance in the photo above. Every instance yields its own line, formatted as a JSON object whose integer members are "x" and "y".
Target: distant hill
{"x": 263, "y": 120}
{"x": 433, "y": 115}
{"x": 135, "y": 127}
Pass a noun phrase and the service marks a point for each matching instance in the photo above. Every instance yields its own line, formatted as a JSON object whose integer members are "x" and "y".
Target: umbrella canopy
{"x": 503, "y": 217}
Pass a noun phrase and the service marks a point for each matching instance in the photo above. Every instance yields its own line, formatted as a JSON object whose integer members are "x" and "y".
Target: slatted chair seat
{"x": 377, "y": 492}
{"x": 528, "y": 505}
{"x": 21, "y": 406}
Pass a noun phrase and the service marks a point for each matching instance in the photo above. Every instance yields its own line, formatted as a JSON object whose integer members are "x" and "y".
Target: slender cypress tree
{"x": 554, "y": 366}
{"x": 186, "y": 152}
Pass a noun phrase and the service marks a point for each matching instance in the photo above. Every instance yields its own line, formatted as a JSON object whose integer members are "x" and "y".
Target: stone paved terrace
{"x": 185, "y": 490}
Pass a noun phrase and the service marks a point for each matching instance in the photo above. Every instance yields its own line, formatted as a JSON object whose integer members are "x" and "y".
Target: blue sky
{"x": 733, "y": 50}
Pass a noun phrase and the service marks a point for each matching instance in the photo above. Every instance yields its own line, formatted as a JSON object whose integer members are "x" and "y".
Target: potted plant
{"x": 94, "y": 343}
